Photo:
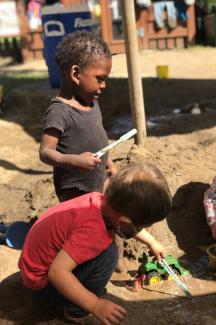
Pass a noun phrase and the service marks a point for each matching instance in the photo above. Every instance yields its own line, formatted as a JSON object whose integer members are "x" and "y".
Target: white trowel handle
{"x": 123, "y": 138}
{"x": 175, "y": 277}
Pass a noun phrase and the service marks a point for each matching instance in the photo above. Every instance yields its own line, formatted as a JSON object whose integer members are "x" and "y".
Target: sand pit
{"x": 182, "y": 145}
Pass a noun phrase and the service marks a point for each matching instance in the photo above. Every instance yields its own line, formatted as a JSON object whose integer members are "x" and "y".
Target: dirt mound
{"x": 182, "y": 145}
{"x": 20, "y": 204}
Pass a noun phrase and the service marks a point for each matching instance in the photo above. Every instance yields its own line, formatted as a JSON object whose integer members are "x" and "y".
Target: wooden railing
{"x": 179, "y": 37}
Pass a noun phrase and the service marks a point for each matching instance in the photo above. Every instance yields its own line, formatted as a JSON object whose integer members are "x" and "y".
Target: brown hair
{"x": 140, "y": 192}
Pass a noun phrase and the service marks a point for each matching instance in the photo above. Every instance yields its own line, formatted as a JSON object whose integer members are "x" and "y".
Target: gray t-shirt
{"x": 81, "y": 131}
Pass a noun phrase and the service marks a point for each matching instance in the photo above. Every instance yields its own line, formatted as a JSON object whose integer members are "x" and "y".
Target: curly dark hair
{"x": 80, "y": 48}
{"x": 140, "y": 192}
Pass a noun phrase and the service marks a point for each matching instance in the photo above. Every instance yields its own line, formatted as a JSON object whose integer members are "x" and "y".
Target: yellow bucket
{"x": 211, "y": 250}
{"x": 162, "y": 71}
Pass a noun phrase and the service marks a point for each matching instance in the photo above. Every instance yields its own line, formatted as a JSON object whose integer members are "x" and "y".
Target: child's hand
{"x": 213, "y": 230}
{"x": 155, "y": 247}
{"x": 108, "y": 312}
{"x": 86, "y": 161}
{"x": 157, "y": 250}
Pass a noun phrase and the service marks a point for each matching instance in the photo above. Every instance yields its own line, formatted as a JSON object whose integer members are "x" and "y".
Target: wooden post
{"x": 191, "y": 32}
{"x": 24, "y": 31}
{"x": 134, "y": 78}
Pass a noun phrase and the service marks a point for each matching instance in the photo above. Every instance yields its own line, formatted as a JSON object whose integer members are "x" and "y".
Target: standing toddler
{"x": 73, "y": 129}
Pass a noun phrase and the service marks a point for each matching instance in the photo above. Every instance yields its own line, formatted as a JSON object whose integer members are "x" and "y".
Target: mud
{"x": 182, "y": 145}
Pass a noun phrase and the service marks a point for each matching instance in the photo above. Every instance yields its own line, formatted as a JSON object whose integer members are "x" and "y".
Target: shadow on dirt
{"x": 16, "y": 307}
{"x": 15, "y": 79}
{"x": 161, "y": 98}
{"x": 25, "y": 105}
{"x": 10, "y": 166}
{"x": 16, "y": 304}
{"x": 187, "y": 219}
{"x": 188, "y": 223}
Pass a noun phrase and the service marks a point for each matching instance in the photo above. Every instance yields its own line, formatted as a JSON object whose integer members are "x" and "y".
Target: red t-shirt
{"x": 76, "y": 226}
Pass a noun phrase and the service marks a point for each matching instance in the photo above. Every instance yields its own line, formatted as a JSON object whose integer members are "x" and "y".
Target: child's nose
{"x": 103, "y": 84}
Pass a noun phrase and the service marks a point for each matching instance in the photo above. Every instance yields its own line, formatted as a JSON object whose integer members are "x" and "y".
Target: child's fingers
{"x": 157, "y": 254}
{"x": 116, "y": 317}
{"x": 119, "y": 314}
{"x": 121, "y": 310}
{"x": 113, "y": 319}
{"x": 97, "y": 160}
{"x": 109, "y": 313}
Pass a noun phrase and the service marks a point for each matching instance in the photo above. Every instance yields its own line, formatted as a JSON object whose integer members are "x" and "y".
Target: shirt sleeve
{"x": 55, "y": 117}
{"x": 210, "y": 203}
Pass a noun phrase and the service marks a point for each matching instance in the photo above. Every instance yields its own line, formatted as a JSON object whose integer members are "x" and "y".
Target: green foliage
{"x": 209, "y": 6}
{"x": 11, "y": 80}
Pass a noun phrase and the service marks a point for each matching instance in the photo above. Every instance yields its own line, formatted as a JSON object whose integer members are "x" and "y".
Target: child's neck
{"x": 109, "y": 215}
{"x": 73, "y": 100}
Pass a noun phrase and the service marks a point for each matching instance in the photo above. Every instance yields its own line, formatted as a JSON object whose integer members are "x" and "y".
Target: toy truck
{"x": 151, "y": 271}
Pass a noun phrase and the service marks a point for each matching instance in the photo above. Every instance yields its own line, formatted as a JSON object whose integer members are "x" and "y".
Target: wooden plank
{"x": 144, "y": 16}
{"x": 191, "y": 25}
{"x": 37, "y": 54}
{"x": 25, "y": 29}
{"x": 161, "y": 44}
{"x": 36, "y": 40}
{"x": 151, "y": 13}
{"x": 170, "y": 43}
{"x": 180, "y": 42}
{"x": 165, "y": 33}
{"x": 153, "y": 44}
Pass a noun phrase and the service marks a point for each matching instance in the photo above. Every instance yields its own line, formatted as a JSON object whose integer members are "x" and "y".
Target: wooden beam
{"x": 134, "y": 78}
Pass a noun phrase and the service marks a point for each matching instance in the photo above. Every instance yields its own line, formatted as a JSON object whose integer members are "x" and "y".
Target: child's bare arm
{"x": 50, "y": 156}
{"x": 61, "y": 276}
{"x": 156, "y": 248}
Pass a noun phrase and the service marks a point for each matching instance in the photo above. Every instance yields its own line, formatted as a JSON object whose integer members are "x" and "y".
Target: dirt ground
{"x": 182, "y": 144}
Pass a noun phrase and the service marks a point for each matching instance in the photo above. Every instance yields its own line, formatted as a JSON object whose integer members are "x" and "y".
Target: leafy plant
{"x": 15, "y": 79}
{"x": 209, "y": 6}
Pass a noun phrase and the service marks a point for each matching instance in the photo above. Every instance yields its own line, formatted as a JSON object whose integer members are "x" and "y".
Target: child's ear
{"x": 123, "y": 220}
{"x": 74, "y": 74}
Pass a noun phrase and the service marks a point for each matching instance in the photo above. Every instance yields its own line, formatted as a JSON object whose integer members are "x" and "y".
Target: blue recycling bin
{"x": 59, "y": 21}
